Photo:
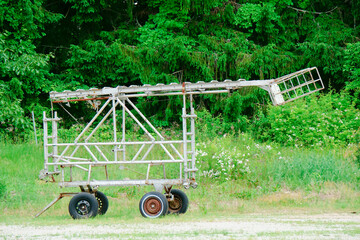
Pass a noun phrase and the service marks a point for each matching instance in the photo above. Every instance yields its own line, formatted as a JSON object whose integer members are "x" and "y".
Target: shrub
{"x": 330, "y": 119}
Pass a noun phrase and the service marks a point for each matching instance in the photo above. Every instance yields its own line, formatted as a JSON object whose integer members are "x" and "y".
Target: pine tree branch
{"x": 305, "y": 11}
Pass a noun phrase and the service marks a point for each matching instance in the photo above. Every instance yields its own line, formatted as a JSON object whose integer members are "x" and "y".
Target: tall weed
{"x": 271, "y": 167}
{"x": 309, "y": 169}
{"x": 222, "y": 159}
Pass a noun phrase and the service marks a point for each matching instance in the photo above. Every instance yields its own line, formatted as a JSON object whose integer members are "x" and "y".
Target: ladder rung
{"x": 301, "y": 85}
{"x": 190, "y": 152}
{"x": 117, "y": 150}
{"x": 191, "y": 170}
{"x": 189, "y": 133}
{"x": 51, "y": 119}
{"x": 189, "y": 116}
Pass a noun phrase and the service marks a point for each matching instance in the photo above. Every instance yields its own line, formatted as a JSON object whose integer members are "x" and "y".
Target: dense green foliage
{"x": 330, "y": 119}
{"x": 50, "y": 45}
{"x": 351, "y": 68}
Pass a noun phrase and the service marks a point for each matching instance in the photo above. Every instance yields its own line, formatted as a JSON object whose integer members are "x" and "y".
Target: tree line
{"x": 56, "y": 45}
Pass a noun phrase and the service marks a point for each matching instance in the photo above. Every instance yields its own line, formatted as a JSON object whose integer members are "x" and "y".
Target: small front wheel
{"x": 83, "y": 205}
{"x": 153, "y": 205}
{"x": 103, "y": 202}
{"x": 180, "y": 203}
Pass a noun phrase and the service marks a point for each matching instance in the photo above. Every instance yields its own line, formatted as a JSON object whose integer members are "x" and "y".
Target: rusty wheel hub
{"x": 175, "y": 206}
{"x": 83, "y": 207}
{"x": 152, "y": 206}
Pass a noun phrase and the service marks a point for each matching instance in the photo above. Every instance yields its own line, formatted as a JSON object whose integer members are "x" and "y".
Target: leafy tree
{"x": 56, "y": 45}
{"x": 12, "y": 119}
{"x": 24, "y": 72}
{"x": 352, "y": 69}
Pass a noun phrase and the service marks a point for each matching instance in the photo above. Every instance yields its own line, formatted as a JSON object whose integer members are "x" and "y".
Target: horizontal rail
{"x": 305, "y": 94}
{"x": 155, "y": 162}
{"x": 83, "y": 99}
{"x": 150, "y": 94}
{"x": 293, "y": 75}
{"x": 301, "y": 85}
{"x": 71, "y": 158}
{"x": 114, "y": 143}
{"x": 175, "y": 93}
{"x": 110, "y": 183}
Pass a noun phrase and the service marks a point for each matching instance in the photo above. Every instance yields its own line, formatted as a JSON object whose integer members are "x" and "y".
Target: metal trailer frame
{"x": 61, "y": 158}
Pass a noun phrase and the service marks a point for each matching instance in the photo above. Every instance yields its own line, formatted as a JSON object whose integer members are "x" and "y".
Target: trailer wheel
{"x": 83, "y": 205}
{"x": 103, "y": 202}
{"x": 180, "y": 203}
{"x": 153, "y": 205}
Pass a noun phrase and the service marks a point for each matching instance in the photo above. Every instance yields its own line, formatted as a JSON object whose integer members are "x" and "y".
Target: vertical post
{"x": 71, "y": 176}
{"x": 55, "y": 138}
{"x": 46, "y": 159}
{"x": 63, "y": 174}
{"x": 33, "y": 119}
{"x": 319, "y": 78}
{"x": 299, "y": 84}
{"x": 192, "y": 126}
{"x": 106, "y": 173}
{"x": 306, "y": 82}
{"x": 123, "y": 130}
{"x": 184, "y": 118}
{"x": 89, "y": 174}
{"x": 164, "y": 171}
{"x": 114, "y": 121}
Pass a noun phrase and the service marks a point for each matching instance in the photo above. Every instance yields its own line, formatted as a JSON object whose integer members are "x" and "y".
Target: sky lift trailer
{"x": 78, "y": 161}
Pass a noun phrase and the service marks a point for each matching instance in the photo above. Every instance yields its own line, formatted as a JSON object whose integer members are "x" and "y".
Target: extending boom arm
{"x": 281, "y": 90}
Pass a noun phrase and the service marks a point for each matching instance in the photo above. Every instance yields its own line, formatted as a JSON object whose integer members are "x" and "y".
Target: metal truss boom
{"x": 281, "y": 90}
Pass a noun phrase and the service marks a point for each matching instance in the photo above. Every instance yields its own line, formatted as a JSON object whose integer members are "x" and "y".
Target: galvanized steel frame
{"x": 65, "y": 158}
{"x": 281, "y": 91}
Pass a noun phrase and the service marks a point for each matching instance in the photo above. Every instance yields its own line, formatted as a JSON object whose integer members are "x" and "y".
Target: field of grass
{"x": 260, "y": 178}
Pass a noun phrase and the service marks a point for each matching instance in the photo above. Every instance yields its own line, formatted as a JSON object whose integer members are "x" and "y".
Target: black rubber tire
{"x": 103, "y": 202}
{"x": 153, "y": 205}
{"x": 180, "y": 203}
{"x": 83, "y": 205}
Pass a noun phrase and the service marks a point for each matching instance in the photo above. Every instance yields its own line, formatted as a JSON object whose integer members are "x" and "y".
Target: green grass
{"x": 280, "y": 179}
